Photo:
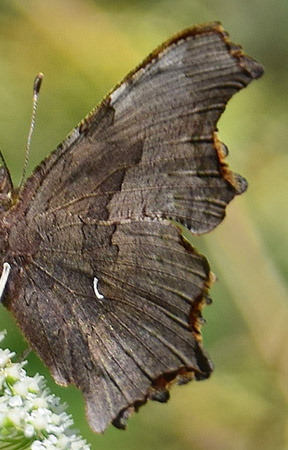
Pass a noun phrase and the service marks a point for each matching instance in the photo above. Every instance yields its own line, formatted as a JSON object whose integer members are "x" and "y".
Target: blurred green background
{"x": 84, "y": 48}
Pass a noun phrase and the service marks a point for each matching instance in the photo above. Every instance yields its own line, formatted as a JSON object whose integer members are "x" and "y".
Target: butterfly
{"x": 103, "y": 284}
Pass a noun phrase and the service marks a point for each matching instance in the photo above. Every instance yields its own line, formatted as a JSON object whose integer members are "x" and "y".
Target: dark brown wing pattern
{"x": 103, "y": 285}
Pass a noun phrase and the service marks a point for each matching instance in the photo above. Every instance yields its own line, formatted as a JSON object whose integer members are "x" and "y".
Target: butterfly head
{"x": 6, "y": 190}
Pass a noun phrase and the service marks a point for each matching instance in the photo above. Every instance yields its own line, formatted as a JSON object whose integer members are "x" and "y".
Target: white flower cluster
{"x": 30, "y": 416}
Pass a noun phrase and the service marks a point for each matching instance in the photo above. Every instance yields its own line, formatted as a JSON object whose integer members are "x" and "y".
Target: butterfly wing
{"x": 125, "y": 339}
{"x": 104, "y": 287}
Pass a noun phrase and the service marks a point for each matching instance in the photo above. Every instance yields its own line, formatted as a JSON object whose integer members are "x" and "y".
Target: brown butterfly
{"x": 103, "y": 284}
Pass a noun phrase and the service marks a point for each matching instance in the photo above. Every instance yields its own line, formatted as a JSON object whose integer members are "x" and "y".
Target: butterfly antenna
{"x": 36, "y": 89}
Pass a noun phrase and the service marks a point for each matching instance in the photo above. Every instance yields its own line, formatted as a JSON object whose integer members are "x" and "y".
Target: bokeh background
{"x": 84, "y": 48}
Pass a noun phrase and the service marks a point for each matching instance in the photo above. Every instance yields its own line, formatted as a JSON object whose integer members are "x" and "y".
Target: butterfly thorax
{"x": 15, "y": 244}
{"x": 6, "y": 201}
